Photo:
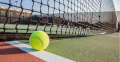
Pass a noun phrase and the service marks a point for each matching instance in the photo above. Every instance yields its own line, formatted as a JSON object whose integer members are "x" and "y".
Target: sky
{"x": 28, "y": 4}
{"x": 117, "y": 5}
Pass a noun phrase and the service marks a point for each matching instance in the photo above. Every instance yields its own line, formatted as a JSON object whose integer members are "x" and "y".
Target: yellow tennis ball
{"x": 39, "y": 40}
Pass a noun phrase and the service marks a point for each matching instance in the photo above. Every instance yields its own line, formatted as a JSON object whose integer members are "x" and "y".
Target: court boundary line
{"x": 47, "y": 56}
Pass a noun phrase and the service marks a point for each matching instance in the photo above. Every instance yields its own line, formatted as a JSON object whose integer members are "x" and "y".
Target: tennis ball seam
{"x": 39, "y": 40}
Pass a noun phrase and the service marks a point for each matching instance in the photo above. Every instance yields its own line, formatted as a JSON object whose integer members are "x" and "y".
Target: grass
{"x": 99, "y": 48}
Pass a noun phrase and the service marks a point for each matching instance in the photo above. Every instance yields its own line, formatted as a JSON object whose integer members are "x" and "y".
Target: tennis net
{"x": 58, "y": 18}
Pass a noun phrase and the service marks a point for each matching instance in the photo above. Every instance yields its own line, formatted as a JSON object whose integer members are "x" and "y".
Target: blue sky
{"x": 117, "y": 4}
{"x": 28, "y": 4}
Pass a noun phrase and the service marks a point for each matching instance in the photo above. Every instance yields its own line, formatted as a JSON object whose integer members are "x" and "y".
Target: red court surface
{"x": 9, "y": 53}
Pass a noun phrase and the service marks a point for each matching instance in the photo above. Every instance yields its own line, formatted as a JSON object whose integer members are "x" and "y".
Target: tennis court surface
{"x": 79, "y": 30}
{"x": 101, "y": 48}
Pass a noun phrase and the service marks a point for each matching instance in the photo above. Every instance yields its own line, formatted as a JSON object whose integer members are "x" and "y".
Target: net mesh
{"x": 58, "y": 18}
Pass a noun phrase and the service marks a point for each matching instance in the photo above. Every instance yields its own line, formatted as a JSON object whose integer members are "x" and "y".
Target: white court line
{"x": 112, "y": 36}
{"x": 49, "y": 57}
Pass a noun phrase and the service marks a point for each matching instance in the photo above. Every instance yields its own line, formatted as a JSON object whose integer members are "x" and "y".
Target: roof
{"x": 14, "y": 10}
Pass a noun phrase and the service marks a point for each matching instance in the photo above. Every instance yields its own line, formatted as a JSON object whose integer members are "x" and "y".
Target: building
{"x": 13, "y": 16}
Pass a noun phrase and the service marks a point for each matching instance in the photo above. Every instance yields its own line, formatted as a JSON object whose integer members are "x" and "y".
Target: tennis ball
{"x": 39, "y": 40}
